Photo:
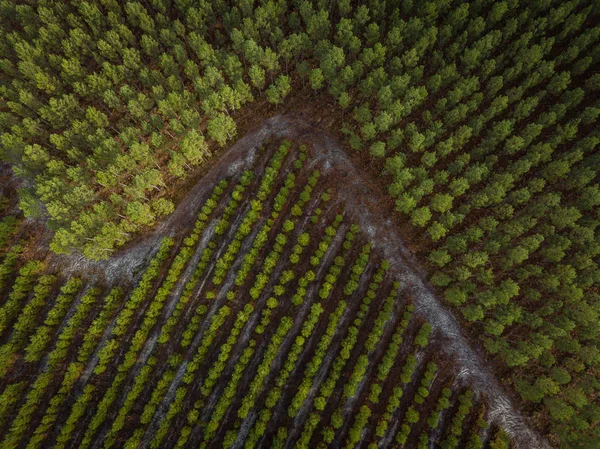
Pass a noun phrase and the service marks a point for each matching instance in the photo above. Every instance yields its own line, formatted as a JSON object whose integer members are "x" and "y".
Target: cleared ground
{"x": 275, "y": 308}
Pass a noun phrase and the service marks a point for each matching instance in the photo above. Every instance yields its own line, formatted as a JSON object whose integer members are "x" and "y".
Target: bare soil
{"x": 364, "y": 202}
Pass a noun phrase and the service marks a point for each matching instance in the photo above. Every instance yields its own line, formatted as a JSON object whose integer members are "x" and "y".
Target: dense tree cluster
{"x": 483, "y": 116}
{"x": 244, "y": 328}
{"x": 105, "y": 106}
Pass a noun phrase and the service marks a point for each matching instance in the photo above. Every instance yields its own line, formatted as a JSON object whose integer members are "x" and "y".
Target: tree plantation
{"x": 299, "y": 224}
{"x": 275, "y": 320}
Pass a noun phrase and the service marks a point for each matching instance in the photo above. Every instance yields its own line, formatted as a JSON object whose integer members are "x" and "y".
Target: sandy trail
{"x": 358, "y": 202}
{"x": 474, "y": 368}
{"x": 331, "y": 158}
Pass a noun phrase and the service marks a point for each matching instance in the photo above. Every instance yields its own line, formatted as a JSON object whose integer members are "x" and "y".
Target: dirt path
{"x": 474, "y": 368}
{"x": 361, "y": 203}
{"x": 136, "y": 254}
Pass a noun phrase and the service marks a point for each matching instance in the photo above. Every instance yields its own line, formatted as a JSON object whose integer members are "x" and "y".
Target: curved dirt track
{"x": 361, "y": 207}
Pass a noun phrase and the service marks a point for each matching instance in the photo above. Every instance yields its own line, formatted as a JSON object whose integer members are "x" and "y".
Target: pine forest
{"x": 300, "y": 224}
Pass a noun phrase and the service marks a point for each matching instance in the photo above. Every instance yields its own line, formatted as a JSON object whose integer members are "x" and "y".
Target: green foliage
{"x": 358, "y": 268}
{"x": 42, "y": 336}
{"x": 422, "y": 337}
{"x": 484, "y": 113}
{"x": 280, "y": 89}
{"x": 221, "y": 128}
{"x": 316, "y": 79}
{"x": 391, "y": 353}
{"x": 421, "y": 216}
{"x": 22, "y": 285}
{"x": 360, "y": 422}
{"x": 456, "y": 426}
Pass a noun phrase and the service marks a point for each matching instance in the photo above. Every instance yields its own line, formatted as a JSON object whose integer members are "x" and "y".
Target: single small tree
{"x": 421, "y": 216}
{"x": 377, "y": 149}
{"x": 316, "y": 79}
{"x": 221, "y": 128}
{"x": 257, "y": 77}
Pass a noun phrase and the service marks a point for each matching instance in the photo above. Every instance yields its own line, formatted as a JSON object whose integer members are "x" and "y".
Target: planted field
{"x": 277, "y": 317}
{"x": 161, "y": 288}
